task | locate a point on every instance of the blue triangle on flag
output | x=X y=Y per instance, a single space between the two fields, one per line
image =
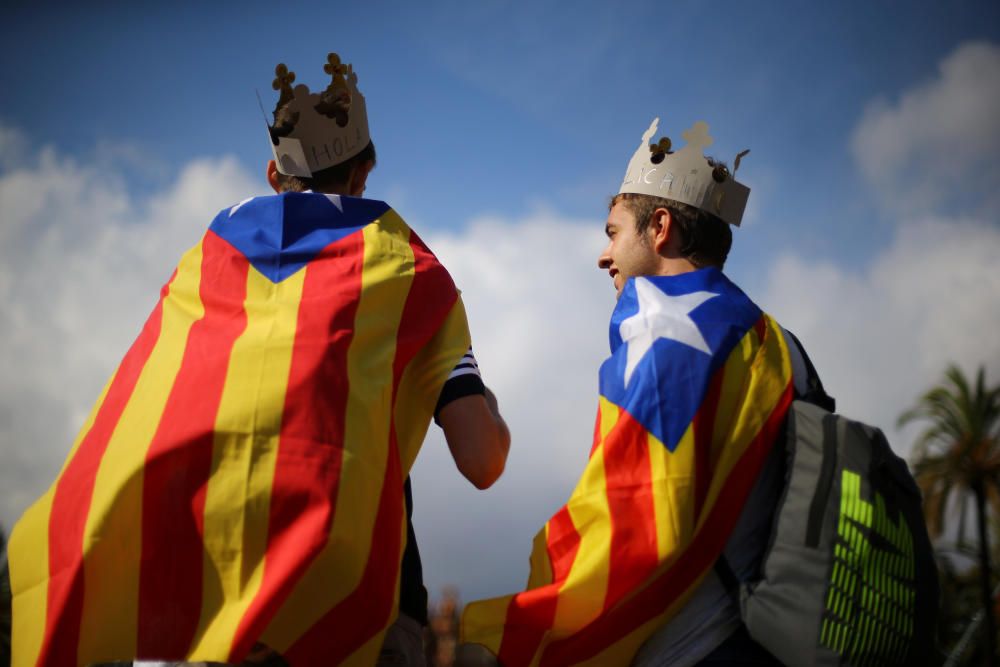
x=280 y=234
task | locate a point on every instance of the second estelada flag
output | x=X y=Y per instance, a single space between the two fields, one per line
x=691 y=400
x=241 y=477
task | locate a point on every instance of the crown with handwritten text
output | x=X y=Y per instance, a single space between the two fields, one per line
x=686 y=175
x=314 y=131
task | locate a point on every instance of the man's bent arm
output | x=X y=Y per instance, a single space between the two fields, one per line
x=477 y=437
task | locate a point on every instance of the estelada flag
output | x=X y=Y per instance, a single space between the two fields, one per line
x=691 y=400
x=241 y=476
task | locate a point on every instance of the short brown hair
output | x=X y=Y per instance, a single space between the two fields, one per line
x=705 y=238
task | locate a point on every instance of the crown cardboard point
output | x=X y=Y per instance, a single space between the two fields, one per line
x=685 y=175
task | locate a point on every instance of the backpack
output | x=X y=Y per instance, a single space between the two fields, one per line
x=848 y=577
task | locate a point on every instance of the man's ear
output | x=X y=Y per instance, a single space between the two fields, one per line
x=660 y=227
x=359 y=177
x=272 y=176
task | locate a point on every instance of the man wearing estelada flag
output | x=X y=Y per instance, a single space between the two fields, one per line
x=240 y=490
x=684 y=472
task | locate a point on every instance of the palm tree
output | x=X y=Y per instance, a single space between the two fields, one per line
x=958 y=455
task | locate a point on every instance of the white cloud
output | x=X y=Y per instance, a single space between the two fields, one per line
x=936 y=148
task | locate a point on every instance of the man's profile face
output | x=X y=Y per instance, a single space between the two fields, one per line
x=628 y=253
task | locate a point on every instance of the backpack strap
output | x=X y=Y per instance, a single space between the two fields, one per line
x=808 y=386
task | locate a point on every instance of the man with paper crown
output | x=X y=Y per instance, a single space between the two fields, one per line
x=238 y=490
x=684 y=472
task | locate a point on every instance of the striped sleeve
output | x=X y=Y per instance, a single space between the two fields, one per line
x=467 y=365
x=464 y=380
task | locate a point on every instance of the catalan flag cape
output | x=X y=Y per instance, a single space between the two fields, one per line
x=241 y=477
x=691 y=400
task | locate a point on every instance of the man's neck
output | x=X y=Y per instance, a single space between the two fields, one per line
x=675 y=266
x=335 y=190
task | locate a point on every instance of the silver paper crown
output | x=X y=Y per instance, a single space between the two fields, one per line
x=686 y=176
x=318 y=140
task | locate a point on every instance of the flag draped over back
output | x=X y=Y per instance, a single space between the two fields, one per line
x=691 y=400
x=240 y=478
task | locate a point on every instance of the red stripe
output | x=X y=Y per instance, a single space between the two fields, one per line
x=307 y=467
x=72 y=498
x=179 y=461
x=531 y=613
x=563 y=543
x=430 y=300
x=628 y=482
x=367 y=610
x=704 y=427
x=701 y=555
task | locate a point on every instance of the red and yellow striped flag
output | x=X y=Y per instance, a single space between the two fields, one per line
x=240 y=478
x=691 y=401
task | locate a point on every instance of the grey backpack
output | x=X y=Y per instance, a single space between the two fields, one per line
x=849 y=576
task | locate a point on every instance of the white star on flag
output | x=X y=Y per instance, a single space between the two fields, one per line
x=661 y=316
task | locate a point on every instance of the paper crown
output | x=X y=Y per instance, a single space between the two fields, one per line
x=318 y=130
x=686 y=176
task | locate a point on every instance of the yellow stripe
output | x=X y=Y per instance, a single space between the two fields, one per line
x=113 y=534
x=421 y=383
x=483 y=622
x=609 y=413
x=540 y=566
x=672 y=479
x=581 y=596
x=28 y=556
x=386 y=279
x=736 y=375
x=769 y=373
x=247 y=428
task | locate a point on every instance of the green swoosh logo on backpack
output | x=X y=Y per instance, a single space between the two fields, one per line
x=871 y=593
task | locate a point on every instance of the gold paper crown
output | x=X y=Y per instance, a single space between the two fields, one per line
x=314 y=131
x=686 y=176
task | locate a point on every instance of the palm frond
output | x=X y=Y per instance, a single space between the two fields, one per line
x=959 y=446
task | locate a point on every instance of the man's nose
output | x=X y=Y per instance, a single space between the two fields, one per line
x=604 y=260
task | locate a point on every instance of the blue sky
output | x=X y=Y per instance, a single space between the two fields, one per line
x=502 y=129
x=497 y=105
